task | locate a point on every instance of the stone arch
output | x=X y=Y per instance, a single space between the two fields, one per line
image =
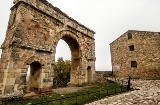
x=64 y=33
x=32 y=36
x=34 y=59
x=76 y=53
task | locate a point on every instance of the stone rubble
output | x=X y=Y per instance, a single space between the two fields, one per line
x=147 y=92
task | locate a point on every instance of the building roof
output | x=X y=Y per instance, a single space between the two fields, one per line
x=133 y=31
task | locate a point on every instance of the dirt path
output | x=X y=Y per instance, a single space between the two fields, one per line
x=68 y=89
x=64 y=90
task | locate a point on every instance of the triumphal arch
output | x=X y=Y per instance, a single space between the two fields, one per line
x=34 y=29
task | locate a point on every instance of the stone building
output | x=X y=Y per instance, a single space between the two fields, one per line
x=34 y=29
x=136 y=54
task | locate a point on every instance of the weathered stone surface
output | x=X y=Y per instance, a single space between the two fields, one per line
x=34 y=29
x=8 y=89
x=143 y=48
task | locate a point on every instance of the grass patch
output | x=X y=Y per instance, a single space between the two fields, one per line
x=80 y=97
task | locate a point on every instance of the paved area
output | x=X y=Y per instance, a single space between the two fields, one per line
x=147 y=93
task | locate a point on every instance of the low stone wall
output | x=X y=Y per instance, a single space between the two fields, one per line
x=121 y=81
x=12 y=95
x=100 y=76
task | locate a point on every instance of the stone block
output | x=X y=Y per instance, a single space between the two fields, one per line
x=8 y=89
x=11 y=75
x=16 y=87
x=10 y=81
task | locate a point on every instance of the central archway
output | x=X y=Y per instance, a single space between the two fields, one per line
x=74 y=46
x=62 y=51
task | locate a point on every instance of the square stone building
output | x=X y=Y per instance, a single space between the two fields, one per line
x=136 y=54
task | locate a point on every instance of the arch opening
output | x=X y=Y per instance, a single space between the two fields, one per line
x=34 y=79
x=89 y=74
x=62 y=50
x=28 y=74
x=74 y=57
x=75 y=61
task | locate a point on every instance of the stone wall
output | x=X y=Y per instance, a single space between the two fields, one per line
x=100 y=76
x=143 y=49
x=34 y=29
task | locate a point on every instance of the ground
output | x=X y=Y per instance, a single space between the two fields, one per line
x=63 y=90
x=68 y=89
x=147 y=92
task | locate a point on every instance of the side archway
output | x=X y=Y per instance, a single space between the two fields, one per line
x=34 y=78
x=89 y=75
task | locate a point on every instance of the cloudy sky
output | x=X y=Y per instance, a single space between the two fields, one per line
x=108 y=18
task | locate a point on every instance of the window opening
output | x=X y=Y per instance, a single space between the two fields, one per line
x=133 y=64
x=129 y=35
x=131 y=48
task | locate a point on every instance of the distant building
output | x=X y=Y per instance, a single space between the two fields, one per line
x=136 y=54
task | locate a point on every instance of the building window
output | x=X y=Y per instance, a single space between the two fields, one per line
x=133 y=64
x=129 y=35
x=131 y=48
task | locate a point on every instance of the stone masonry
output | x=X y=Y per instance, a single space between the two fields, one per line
x=34 y=29
x=136 y=54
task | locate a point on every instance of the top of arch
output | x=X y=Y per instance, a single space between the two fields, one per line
x=49 y=9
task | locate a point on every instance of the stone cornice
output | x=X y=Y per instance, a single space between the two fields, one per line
x=47 y=8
